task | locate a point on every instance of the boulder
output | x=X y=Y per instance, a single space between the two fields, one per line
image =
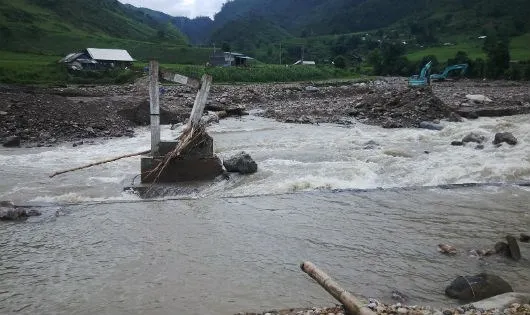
x=209 y=118
x=311 y=89
x=502 y=301
x=478 y=98
x=242 y=163
x=474 y=137
x=502 y=248
x=8 y=212
x=400 y=297
x=515 y=252
x=454 y=117
x=371 y=145
x=525 y=238
x=12 y=142
x=236 y=111
x=430 y=126
x=478 y=287
x=457 y=143
x=507 y=137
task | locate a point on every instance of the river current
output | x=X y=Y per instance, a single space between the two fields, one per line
x=359 y=201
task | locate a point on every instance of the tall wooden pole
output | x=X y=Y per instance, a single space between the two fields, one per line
x=154 y=100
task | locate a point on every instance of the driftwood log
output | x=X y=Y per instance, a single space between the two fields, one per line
x=352 y=305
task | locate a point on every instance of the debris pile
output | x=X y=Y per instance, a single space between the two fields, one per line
x=400 y=108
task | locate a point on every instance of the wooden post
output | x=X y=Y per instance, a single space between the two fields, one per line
x=200 y=100
x=154 y=99
x=350 y=302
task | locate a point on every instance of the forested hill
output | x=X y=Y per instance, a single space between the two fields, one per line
x=197 y=30
x=59 y=26
x=324 y=17
x=425 y=20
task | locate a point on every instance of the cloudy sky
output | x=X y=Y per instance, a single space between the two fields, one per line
x=189 y=8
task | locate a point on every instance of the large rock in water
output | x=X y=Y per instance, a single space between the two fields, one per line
x=12 y=142
x=430 y=125
x=507 y=137
x=8 y=212
x=479 y=287
x=242 y=163
x=474 y=137
x=515 y=252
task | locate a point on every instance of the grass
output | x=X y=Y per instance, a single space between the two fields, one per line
x=443 y=53
x=262 y=73
x=520 y=47
x=17 y=68
x=519 y=50
x=23 y=68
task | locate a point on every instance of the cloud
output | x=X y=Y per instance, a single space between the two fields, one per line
x=189 y=8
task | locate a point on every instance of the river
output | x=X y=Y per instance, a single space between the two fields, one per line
x=358 y=201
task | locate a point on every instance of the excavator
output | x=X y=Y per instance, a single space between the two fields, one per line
x=423 y=79
x=440 y=77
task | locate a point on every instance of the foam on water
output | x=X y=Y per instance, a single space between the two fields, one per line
x=291 y=157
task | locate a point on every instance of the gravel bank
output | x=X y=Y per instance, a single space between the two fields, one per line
x=46 y=116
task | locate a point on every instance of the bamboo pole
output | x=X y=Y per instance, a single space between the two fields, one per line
x=99 y=163
x=350 y=302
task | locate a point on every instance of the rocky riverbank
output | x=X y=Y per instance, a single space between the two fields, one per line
x=33 y=116
x=398 y=309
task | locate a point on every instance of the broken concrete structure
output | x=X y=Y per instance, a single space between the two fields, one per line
x=192 y=158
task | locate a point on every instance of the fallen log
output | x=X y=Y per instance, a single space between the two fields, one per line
x=99 y=163
x=351 y=304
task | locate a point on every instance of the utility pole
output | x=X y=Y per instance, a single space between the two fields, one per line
x=281 y=53
x=303 y=47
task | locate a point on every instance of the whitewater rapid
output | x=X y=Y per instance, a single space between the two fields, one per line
x=291 y=157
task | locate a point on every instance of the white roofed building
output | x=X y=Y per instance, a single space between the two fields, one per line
x=98 y=59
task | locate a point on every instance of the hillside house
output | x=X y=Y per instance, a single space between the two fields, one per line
x=98 y=59
x=229 y=59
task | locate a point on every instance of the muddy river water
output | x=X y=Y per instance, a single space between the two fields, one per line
x=236 y=245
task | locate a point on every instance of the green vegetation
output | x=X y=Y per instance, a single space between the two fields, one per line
x=41 y=69
x=58 y=27
x=262 y=73
x=343 y=37
x=447 y=52
x=19 y=68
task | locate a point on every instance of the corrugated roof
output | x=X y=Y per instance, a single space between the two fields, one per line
x=109 y=54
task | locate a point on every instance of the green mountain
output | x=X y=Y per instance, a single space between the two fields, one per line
x=197 y=30
x=61 y=26
x=328 y=28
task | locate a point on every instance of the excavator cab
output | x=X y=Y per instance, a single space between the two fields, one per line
x=424 y=78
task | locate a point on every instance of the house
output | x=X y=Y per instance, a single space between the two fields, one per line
x=98 y=59
x=305 y=63
x=229 y=59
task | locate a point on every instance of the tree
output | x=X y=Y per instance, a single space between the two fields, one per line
x=498 y=54
x=375 y=59
x=340 y=62
x=226 y=46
